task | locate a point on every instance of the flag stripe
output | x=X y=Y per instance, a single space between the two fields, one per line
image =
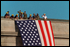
x=52 y=32
x=40 y=34
x=45 y=32
x=46 y=26
x=41 y=27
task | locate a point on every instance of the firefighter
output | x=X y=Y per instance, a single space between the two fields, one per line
x=30 y=17
x=12 y=16
x=16 y=17
x=6 y=15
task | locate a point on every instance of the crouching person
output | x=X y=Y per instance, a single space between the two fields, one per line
x=16 y=17
x=6 y=15
x=30 y=18
x=12 y=16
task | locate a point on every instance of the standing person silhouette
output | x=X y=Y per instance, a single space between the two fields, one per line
x=20 y=14
x=44 y=16
x=25 y=15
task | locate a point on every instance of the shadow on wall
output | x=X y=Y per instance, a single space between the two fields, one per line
x=19 y=41
x=18 y=38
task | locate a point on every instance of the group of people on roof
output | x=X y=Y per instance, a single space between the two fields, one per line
x=34 y=17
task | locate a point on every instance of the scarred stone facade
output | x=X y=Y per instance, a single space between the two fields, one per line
x=10 y=35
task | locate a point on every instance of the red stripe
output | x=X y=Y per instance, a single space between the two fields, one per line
x=47 y=30
x=42 y=31
x=52 y=32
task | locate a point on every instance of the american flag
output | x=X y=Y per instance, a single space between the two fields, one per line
x=36 y=32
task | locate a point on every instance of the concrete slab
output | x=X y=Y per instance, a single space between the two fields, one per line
x=61 y=42
x=8 y=44
x=60 y=28
x=7 y=25
x=5 y=39
x=9 y=33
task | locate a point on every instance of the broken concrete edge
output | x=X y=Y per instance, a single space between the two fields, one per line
x=41 y=19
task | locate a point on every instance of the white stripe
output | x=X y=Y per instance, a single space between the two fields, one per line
x=50 y=32
x=46 y=36
x=40 y=34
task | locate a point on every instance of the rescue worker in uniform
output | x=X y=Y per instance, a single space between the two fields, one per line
x=34 y=16
x=21 y=17
x=20 y=14
x=12 y=16
x=16 y=17
x=37 y=16
x=25 y=15
x=6 y=15
x=30 y=17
